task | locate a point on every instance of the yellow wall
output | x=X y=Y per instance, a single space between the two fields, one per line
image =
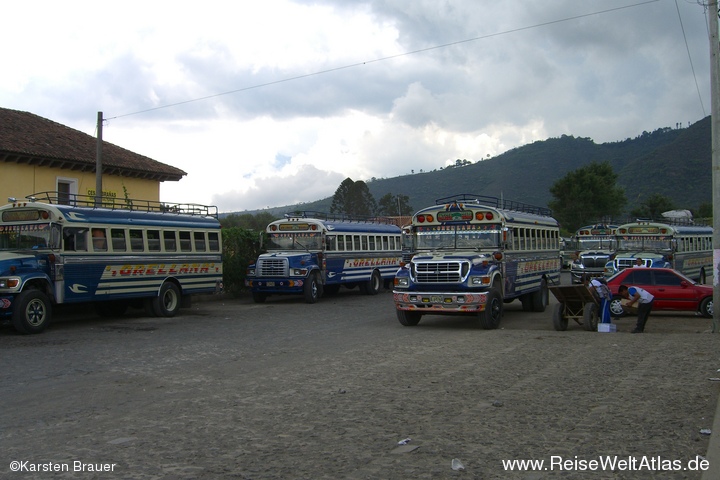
x=18 y=180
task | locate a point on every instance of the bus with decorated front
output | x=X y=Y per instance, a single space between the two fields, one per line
x=474 y=253
x=682 y=246
x=594 y=246
x=313 y=253
x=57 y=248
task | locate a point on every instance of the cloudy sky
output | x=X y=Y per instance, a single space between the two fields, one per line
x=274 y=102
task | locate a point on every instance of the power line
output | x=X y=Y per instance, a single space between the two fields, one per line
x=692 y=67
x=390 y=57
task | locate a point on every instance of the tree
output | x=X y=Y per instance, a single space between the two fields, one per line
x=653 y=207
x=353 y=198
x=248 y=221
x=391 y=205
x=586 y=195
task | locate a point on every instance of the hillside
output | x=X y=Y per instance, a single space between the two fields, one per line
x=673 y=162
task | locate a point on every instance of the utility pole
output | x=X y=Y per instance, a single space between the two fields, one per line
x=715 y=127
x=98 y=162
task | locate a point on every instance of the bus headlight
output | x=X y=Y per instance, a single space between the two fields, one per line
x=300 y=272
x=250 y=272
x=401 y=282
x=9 y=282
x=477 y=281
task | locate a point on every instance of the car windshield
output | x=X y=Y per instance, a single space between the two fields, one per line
x=29 y=236
x=295 y=241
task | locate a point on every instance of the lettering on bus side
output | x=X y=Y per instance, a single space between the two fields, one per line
x=371 y=262
x=158 y=269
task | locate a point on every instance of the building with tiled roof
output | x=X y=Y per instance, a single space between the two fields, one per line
x=39 y=155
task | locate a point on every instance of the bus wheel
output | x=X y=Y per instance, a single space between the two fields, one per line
x=167 y=303
x=560 y=321
x=259 y=297
x=490 y=317
x=706 y=307
x=590 y=317
x=616 y=309
x=540 y=298
x=409 y=319
x=32 y=312
x=372 y=287
x=311 y=289
x=527 y=302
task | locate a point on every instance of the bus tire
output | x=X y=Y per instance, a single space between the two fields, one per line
x=372 y=287
x=32 y=311
x=590 y=317
x=560 y=321
x=616 y=309
x=259 y=297
x=311 y=289
x=407 y=318
x=489 y=318
x=167 y=303
x=706 y=307
x=540 y=298
x=527 y=302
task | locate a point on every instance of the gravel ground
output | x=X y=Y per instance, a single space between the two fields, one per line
x=231 y=389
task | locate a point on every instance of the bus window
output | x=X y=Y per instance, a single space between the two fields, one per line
x=330 y=243
x=153 y=240
x=364 y=243
x=386 y=243
x=136 y=241
x=341 y=242
x=214 y=241
x=74 y=239
x=118 y=239
x=371 y=245
x=199 y=241
x=99 y=239
x=170 y=241
x=185 y=244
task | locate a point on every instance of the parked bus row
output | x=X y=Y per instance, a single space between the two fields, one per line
x=465 y=255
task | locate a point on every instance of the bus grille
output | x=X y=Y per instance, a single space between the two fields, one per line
x=439 y=272
x=594 y=261
x=272 y=267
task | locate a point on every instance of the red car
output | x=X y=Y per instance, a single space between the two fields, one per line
x=672 y=290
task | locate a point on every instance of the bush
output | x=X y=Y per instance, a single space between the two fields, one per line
x=241 y=248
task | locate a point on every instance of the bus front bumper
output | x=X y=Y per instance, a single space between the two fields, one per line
x=441 y=302
x=275 y=285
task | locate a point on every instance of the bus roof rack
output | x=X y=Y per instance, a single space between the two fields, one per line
x=339 y=217
x=495 y=202
x=112 y=203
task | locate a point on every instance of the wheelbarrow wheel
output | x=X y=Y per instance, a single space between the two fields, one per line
x=590 y=317
x=560 y=321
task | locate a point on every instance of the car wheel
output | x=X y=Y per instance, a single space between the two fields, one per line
x=706 y=307
x=616 y=308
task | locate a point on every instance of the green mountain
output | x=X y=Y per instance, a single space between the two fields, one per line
x=672 y=162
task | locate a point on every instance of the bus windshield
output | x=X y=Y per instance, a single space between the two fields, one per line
x=26 y=237
x=460 y=237
x=607 y=243
x=293 y=241
x=645 y=244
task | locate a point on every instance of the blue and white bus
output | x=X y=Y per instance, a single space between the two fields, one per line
x=684 y=247
x=58 y=249
x=474 y=253
x=311 y=253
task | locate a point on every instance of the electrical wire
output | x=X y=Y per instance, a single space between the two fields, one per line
x=390 y=57
x=692 y=67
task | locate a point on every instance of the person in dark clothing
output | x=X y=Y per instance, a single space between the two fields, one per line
x=644 y=301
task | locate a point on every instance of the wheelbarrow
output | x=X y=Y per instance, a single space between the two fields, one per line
x=576 y=302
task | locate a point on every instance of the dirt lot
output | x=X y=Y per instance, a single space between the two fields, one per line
x=231 y=389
